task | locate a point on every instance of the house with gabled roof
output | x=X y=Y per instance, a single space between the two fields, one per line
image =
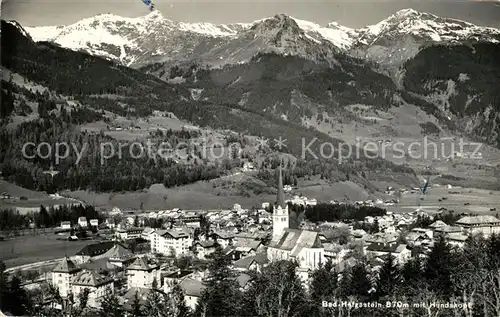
x=456 y=239
x=437 y=224
x=441 y=231
x=251 y=263
x=118 y=255
x=97 y=284
x=224 y=238
x=399 y=251
x=63 y=274
x=93 y=250
x=204 y=248
x=142 y=272
x=178 y=241
x=192 y=288
x=247 y=246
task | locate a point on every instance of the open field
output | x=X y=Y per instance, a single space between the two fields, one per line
x=33 y=201
x=29 y=249
x=479 y=201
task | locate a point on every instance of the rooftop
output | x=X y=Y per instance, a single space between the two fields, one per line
x=295 y=240
x=178 y=274
x=66 y=266
x=117 y=252
x=96 y=248
x=192 y=287
x=389 y=247
x=91 y=278
x=475 y=220
x=143 y=264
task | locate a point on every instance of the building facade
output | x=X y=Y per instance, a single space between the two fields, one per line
x=142 y=273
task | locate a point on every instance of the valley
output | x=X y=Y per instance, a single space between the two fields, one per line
x=232 y=168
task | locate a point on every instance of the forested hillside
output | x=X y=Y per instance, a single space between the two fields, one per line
x=98 y=86
x=461 y=81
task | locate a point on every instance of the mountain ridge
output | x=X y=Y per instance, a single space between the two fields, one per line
x=154 y=38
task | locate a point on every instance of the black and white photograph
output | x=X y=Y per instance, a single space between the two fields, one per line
x=237 y=158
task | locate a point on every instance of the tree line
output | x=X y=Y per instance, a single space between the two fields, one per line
x=47 y=217
x=337 y=213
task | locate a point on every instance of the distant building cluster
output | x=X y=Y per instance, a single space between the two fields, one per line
x=251 y=239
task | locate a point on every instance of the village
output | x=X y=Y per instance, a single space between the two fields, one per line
x=177 y=251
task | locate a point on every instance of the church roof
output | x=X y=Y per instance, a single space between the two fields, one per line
x=295 y=240
x=66 y=266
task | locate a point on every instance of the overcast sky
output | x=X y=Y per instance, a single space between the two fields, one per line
x=354 y=14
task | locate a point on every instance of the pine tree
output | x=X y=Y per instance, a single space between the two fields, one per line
x=323 y=285
x=493 y=250
x=17 y=301
x=221 y=297
x=137 y=307
x=110 y=305
x=388 y=278
x=323 y=282
x=411 y=271
x=177 y=302
x=277 y=291
x=3 y=286
x=439 y=266
x=359 y=281
x=156 y=305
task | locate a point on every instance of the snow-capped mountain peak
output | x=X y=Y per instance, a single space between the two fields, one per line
x=401 y=36
x=155 y=38
x=423 y=25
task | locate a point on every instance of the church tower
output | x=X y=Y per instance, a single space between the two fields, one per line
x=281 y=216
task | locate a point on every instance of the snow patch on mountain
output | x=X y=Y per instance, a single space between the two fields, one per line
x=153 y=38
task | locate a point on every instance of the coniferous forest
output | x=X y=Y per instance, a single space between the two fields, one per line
x=90 y=80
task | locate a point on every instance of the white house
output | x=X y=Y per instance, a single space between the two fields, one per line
x=94 y=222
x=203 y=248
x=98 y=285
x=400 y=251
x=193 y=289
x=128 y=233
x=224 y=238
x=142 y=272
x=168 y=241
x=456 y=239
x=82 y=222
x=65 y=225
x=485 y=224
x=63 y=274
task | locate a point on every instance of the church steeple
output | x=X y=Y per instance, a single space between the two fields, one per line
x=280 y=197
x=281 y=217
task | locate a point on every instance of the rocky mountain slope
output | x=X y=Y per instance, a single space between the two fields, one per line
x=460 y=82
x=402 y=35
x=297 y=70
x=106 y=87
x=153 y=38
